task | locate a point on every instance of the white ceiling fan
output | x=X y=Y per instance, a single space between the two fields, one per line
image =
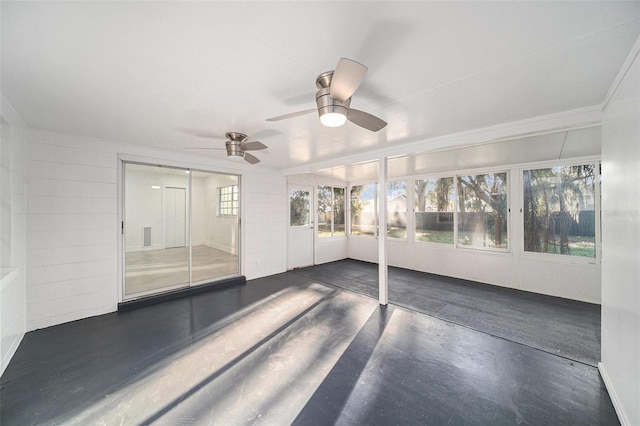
x=237 y=147
x=334 y=97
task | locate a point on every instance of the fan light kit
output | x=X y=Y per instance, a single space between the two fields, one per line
x=237 y=147
x=333 y=98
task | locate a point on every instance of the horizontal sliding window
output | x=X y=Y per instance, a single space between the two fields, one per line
x=559 y=210
x=397 y=210
x=434 y=210
x=482 y=210
x=363 y=209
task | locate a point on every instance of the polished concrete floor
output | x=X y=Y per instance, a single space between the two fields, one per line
x=157 y=269
x=288 y=349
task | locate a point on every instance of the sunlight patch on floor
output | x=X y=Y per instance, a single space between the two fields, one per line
x=261 y=365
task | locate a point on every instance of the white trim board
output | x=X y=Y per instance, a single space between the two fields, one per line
x=628 y=63
x=613 y=395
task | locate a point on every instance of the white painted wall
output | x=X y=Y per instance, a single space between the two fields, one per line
x=263 y=228
x=13 y=234
x=73 y=222
x=620 y=366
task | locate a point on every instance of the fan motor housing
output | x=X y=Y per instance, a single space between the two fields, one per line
x=234 y=148
x=326 y=104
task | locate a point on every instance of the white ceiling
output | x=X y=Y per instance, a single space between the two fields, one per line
x=155 y=73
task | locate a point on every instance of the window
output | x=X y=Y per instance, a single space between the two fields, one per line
x=397 y=210
x=482 y=210
x=363 y=210
x=299 y=207
x=559 y=210
x=434 y=210
x=330 y=211
x=339 y=211
x=228 y=200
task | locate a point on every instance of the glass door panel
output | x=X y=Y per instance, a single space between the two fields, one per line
x=300 y=232
x=156 y=224
x=215 y=212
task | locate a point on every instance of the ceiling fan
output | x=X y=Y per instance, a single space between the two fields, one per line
x=334 y=96
x=237 y=147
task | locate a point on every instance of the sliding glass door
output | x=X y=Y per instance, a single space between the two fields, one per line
x=180 y=228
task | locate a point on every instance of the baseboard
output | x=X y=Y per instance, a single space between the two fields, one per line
x=141 y=248
x=177 y=294
x=6 y=359
x=222 y=247
x=612 y=394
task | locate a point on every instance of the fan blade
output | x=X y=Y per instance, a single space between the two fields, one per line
x=346 y=79
x=366 y=120
x=250 y=158
x=253 y=146
x=290 y=115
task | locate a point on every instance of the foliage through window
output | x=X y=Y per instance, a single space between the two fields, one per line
x=397 y=210
x=363 y=209
x=482 y=210
x=228 y=200
x=331 y=214
x=434 y=210
x=299 y=207
x=559 y=210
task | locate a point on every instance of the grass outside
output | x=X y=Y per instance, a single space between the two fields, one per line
x=443 y=237
x=467 y=238
x=578 y=246
x=393 y=232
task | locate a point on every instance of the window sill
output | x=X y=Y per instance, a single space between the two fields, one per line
x=334 y=238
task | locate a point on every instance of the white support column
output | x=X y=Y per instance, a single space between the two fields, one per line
x=383 y=276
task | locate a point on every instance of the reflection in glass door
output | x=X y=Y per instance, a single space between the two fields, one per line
x=215 y=211
x=180 y=228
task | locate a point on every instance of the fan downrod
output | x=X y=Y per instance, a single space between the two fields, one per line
x=236 y=136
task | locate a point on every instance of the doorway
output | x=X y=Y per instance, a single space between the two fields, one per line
x=175 y=223
x=180 y=228
x=300 y=232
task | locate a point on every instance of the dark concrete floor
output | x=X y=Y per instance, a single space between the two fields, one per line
x=559 y=326
x=289 y=349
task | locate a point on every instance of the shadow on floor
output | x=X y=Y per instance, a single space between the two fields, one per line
x=328 y=402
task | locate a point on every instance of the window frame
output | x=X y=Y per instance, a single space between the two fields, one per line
x=333 y=217
x=555 y=257
x=455 y=216
x=409 y=199
x=375 y=208
x=234 y=202
x=476 y=172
